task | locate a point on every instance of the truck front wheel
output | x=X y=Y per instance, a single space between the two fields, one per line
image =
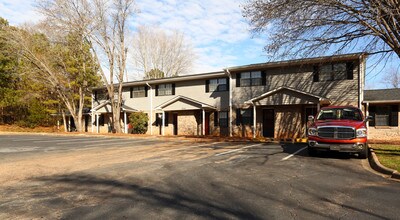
x=363 y=154
x=311 y=151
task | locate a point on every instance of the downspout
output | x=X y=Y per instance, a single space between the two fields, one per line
x=151 y=108
x=367 y=113
x=361 y=80
x=92 y=116
x=230 y=103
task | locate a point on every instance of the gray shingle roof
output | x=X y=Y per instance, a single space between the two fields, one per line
x=382 y=95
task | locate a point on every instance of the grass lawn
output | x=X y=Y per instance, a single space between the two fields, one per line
x=388 y=155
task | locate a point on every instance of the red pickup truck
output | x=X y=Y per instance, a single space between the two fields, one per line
x=338 y=128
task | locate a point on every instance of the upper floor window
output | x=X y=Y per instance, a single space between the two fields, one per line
x=333 y=71
x=217 y=85
x=254 y=78
x=100 y=95
x=138 y=91
x=165 y=89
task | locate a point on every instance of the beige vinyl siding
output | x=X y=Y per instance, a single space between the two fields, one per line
x=340 y=92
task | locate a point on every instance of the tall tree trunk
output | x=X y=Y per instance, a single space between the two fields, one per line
x=64 y=121
x=78 y=118
x=117 y=118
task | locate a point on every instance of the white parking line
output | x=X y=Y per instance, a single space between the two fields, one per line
x=291 y=155
x=184 y=148
x=235 y=150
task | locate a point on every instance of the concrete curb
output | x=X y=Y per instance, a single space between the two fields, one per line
x=377 y=166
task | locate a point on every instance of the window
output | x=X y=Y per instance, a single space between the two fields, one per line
x=165 y=89
x=250 y=79
x=223 y=119
x=215 y=119
x=384 y=115
x=340 y=114
x=244 y=116
x=217 y=85
x=159 y=119
x=101 y=120
x=100 y=95
x=138 y=91
x=333 y=71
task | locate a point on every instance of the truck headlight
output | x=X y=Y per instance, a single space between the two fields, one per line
x=312 y=132
x=362 y=132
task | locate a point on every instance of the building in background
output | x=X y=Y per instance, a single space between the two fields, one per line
x=383 y=105
x=260 y=100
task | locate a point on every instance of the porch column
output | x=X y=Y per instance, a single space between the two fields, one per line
x=367 y=113
x=97 y=123
x=151 y=108
x=203 y=123
x=69 y=124
x=163 y=123
x=254 y=120
x=126 y=122
x=93 y=116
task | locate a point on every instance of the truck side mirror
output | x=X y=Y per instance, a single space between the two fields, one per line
x=369 y=118
x=311 y=118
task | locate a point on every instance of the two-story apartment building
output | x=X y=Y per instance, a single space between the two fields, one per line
x=183 y=105
x=260 y=100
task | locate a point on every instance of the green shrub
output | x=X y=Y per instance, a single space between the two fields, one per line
x=138 y=122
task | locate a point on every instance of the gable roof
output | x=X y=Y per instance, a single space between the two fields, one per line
x=184 y=98
x=382 y=95
x=269 y=93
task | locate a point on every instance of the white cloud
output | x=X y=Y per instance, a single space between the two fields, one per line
x=18 y=11
x=216 y=29
x=213 y=27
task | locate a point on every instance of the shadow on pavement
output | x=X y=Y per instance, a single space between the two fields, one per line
x=124 y=196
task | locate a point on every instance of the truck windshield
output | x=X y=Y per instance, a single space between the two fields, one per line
x=340 y=113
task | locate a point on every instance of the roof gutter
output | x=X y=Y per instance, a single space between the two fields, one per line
x=382 y=101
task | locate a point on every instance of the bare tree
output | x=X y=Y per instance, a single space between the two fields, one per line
x=313 y=26
x=158 y=54
x=67 y=70
x=392 y=78
x=104 y=25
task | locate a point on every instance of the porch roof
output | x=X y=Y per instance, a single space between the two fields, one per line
x=286 y=96
x=102 y=108
x=179 y=103
x=382 y=96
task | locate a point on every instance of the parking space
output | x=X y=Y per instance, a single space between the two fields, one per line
x=92 y=177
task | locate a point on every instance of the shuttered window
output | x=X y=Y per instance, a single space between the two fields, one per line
x=165 y=89
x=254 y=78
x=217 y=85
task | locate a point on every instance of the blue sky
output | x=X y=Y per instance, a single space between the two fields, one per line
x=215 y=28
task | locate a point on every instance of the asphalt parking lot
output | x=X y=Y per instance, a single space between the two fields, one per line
x=84 y=177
